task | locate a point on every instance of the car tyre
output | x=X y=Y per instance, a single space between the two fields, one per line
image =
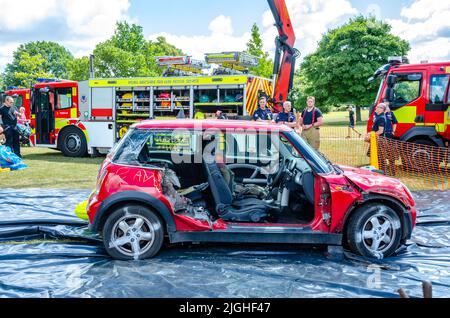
x=133 y=232
x=374 y=231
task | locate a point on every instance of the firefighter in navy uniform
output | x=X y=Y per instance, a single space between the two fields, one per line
x=391 y=123
x=262 y=113
x=380 y=123
x=287 y=117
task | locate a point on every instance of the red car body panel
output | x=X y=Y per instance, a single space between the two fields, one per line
x=335 y=195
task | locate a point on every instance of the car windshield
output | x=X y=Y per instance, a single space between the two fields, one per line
x=294 y=143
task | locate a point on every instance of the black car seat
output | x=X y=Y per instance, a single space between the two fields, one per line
x=229 y=208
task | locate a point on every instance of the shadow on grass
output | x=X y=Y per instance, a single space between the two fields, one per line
x=60 y=158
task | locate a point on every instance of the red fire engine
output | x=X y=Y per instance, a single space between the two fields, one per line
x=419 y=96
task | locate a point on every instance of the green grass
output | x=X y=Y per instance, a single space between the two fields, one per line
x=340 y=119
x=48 y=168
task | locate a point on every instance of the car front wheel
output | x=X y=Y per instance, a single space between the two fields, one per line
x=374 y=231
x=133 y=232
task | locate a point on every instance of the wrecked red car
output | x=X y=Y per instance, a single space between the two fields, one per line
x=240 y=182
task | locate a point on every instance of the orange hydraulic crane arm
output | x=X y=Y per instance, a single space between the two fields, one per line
x=285 y=53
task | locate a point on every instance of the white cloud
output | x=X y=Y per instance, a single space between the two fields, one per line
x=221 y=25
x=423 y=9
x=77 y=24
x=6 y=52
x=311 y=20
x=19 y=14
x=94 y=17
x=220 y=39
x=374 y=10
x=426 y=25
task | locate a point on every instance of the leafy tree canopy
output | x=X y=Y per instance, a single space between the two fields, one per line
x=255 y=48
x=338 y=71
x=41 y=57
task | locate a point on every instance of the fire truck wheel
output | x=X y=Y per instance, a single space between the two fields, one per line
x=73 y=143
x=133 y=232
x=374 y=231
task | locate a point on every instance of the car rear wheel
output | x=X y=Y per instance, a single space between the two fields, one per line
x=133 y=232
x=374 y=231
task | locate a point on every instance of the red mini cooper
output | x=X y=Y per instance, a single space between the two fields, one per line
x=240 y=182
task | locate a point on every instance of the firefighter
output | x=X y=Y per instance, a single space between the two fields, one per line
x=9 y=118
x=391 y=123
x=379 y=124
x=311 y=120
x=262 y=113
x=287 y=117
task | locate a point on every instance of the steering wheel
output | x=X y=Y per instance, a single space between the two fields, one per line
x=275 y=178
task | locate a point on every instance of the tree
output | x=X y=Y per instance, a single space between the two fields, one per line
x=346 y=57
x=54 y=64
x=78 y=69
x=129 y=38
x=128 y=54
x=111 y=61
x=160 y=47
x=35 y=68
x=255 y=48
x=2 y=82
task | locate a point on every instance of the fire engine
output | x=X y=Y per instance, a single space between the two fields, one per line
x=420 y=98
x=89 y=117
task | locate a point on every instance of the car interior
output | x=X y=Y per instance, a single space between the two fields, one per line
x=286 y=189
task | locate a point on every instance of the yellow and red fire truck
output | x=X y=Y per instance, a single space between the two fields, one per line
x=420 y=98
x=89 y=117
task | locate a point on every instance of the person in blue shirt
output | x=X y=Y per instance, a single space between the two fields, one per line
x=379 y=123
x=287 y=117
x=391 y=123
x=262 y=113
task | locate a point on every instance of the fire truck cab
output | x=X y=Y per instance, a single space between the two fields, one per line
x=419 y=96
x=21 y=97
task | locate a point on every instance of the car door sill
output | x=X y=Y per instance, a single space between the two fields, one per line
x=278 y=235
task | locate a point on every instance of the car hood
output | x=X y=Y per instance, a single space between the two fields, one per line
x=373 y=182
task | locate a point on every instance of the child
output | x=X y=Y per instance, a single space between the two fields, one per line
x=23 y=123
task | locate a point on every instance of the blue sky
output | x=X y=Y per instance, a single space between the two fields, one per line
x=155 y=16
x=202 y=26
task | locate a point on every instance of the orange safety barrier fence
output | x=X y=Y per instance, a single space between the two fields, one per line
x=420 y=167
x=342 y=150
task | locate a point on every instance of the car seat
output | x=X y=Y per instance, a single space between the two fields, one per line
x=229 y=208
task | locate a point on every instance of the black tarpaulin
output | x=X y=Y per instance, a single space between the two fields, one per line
x=46 y=251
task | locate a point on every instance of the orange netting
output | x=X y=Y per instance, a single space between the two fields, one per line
x=342 y=150
x=420 y=167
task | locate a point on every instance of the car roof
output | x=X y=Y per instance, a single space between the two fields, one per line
x=210 y=124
